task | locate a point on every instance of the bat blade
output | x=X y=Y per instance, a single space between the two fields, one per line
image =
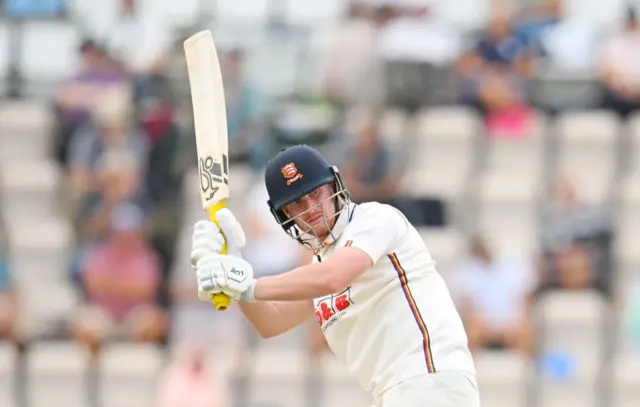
x=210 y=120
x=210 y=117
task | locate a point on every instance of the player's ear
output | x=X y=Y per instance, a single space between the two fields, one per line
x=231 y=228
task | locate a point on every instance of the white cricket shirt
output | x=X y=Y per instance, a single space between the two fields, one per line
x=397 y=320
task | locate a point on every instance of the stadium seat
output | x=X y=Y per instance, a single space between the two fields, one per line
x=595 y=14
x=17 y=116
x=57 y=371
x=129 y=373
x=626 y=380
x=522 y=156
x=393 y=127
x=25 y=132
x=39 y=262
x=507 y=211
x=4 y=54
x=633 y=146
x=444 y=155
x=630 y=201
x=278 y=376
x=40 y=248
x=503 y=378
x=336 y=392
x=30 y=189
x=564 y=394
x=628 y=224
x=7 y=371
x=583 y=139
x=572 y=327
x=446 y=246
x=561 y=87
x=45 y=306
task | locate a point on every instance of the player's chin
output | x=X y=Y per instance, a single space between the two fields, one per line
x=319 y=230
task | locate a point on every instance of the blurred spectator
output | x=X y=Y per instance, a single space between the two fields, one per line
x=494 y=77
x=576 y=242
x=8 y=298
x=418 y=35
x=121 y=277
x=111 y=128
x=118 y=181
x=494 y=294
x=246 y=112
x=535 y=20
x=76 y=98
x=371 y=169
x=139 y=41
x=187 y=382
x=162 y=178
x=416 y=50
x=351 y=60
x=574 y=268
x=620 y=68
x=368 y=167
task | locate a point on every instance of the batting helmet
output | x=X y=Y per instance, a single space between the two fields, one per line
x=293 y=173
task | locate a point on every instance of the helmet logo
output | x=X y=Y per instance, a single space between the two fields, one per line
x=290 y=172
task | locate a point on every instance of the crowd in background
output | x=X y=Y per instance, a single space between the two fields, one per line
x=123 y=136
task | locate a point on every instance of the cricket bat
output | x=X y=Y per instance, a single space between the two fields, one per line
x=210 y=119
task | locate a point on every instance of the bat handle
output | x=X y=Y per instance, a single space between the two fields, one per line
x=220 y=300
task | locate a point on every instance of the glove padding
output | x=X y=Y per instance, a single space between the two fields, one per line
x=227 y=273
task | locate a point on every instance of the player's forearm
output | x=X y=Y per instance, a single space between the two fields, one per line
x=271 y=319
x=303 y=283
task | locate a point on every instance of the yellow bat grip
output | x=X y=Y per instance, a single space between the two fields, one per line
x=220 y=301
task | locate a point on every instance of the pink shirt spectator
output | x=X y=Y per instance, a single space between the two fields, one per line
x=135 y=266
x=187 y=383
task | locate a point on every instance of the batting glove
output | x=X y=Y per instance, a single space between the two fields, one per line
x=227 y=273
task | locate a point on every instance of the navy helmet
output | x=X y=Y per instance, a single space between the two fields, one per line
x=293 y=173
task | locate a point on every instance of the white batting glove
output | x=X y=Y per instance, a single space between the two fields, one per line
x=227 y=273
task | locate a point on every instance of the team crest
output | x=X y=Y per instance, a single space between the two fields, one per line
x=291 y=173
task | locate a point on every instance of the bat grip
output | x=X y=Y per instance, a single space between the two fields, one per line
x=220 y=300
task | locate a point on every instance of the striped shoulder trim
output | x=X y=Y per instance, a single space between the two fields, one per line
x=426 y=341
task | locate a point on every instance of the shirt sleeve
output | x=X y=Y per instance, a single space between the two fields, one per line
x=375 y=230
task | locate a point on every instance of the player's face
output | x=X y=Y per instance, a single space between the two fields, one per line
x=314 y=212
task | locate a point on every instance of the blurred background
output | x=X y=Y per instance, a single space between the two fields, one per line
x=506 y=130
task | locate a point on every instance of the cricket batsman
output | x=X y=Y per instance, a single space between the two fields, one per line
x=373 y=287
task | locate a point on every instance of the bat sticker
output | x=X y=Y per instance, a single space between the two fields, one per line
x=210 y=174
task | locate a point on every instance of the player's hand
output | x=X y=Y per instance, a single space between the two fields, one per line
x=208 y=238
x=225 y=273
x=221 y=273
